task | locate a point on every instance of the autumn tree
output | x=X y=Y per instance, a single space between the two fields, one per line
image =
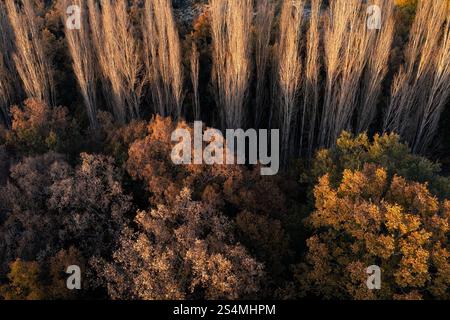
x=55 y=272
x=184 y=250
x=119 y=57
x=369 y=219
x=114 y=139
x=37 y=128
x=387 y=150
x=82 y=53
x=288 y=72
x=231 y=23
x=163 y=57
x=420 y=89
x=8 y=75
x=27 y=228
x=32 y=57
x=24 y=282
x=93 y=202
x=149 y=160
x=49 y=206
x=30 y=280
x=264 y=18
x=241 y=193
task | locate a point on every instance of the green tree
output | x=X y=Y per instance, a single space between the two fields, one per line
x=386 y=151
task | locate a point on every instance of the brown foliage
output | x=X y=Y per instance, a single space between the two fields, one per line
x=184 y=250
x=149 y=160
x=48 y=205
x=234 y=190
x=37 y=128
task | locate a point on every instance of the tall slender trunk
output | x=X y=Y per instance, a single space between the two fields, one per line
x=311 y=81
x=380 y=48
x=194 y=59
x=346 y=51
x=263 y=27
x=163 y=58
x=8 y=75
x=82 y=53
x=420 y=89
x=118 y=54
x=231 y=22
x=32 y=62
x=289 y=70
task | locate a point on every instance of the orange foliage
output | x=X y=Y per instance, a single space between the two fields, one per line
x=37 y=128
x=149 y=160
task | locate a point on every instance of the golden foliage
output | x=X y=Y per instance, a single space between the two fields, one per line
x=369 y=219
x=24 y=282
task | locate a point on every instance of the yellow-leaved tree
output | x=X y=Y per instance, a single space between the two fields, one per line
x=371 y=219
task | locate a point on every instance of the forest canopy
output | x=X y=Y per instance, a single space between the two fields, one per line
x=87 y=112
